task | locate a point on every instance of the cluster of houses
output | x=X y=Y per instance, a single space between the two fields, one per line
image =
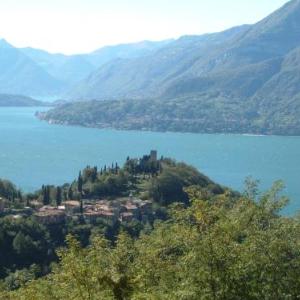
x=122 y=209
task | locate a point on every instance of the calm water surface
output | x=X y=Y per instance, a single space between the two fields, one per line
x=33 y=153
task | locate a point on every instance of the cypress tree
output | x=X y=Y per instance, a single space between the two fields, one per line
x=70 y=193
x=79 y=183
x=65 y=195
x=46 y=195
x=94 y=174
x=58 y=196
x=81 y=206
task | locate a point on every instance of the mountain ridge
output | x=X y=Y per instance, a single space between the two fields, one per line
x=268 y=39
x=243 y=80
x=19 y=101
x=38 y=73
x=21 y=75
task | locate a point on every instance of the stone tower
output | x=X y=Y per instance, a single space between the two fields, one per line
x=153 y=155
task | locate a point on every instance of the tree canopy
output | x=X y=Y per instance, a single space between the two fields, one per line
x=218 y=248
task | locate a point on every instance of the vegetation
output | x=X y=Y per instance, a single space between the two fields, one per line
x=216 y=248
x=162 y=180
x=202 y=113
x=9 y=190
x=242 y=80
x=28 y=248
x=205 y=242
x=24 y=245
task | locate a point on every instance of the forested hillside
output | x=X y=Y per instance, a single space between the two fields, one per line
x=242 y=80
x=100 y=202
x=196 y=240
x=221 y=248
x=200 y=114
x=239 y=63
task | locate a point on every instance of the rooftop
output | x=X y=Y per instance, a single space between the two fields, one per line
x=72 y=203
x=99 y=213
x=46 y=213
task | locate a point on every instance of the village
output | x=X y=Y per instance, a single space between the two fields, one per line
x=90 y=209
x=122 y=209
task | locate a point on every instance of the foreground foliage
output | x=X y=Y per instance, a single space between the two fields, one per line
x=28 y=249
x=223 y=248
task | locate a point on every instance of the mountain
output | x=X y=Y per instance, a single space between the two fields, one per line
x=238 y=63
x=125 y=51
x=18 y=100
x=243 y=80
x=21 y=75
x=144 y=76
x=34 y=72
x=70 y=69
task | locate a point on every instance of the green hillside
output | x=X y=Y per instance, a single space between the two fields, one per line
x=205 y=242
x=201 y=113
x=237 y=62
x=243 y=80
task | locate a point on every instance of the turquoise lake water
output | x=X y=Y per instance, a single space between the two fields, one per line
x=33 y=153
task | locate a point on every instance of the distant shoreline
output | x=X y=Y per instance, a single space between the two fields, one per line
x=40 y=116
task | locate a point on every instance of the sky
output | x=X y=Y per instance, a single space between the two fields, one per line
x=81 y=26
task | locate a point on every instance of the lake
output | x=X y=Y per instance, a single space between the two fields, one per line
x=33 y=153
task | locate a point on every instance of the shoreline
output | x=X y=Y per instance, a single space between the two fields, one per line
x=65 y=123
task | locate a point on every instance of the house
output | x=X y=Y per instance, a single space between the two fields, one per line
x=72 y=207
x=146 y=207
x=132 y=208
x=50 y=215
x=36 y=204
x=16 y=217
x=126 y=217
x=93 y=216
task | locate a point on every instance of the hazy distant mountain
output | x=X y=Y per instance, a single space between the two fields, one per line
x=71 y=69
x=125 y=51
x=35 y=72
x=243 y=80
x=145 y=76
x=18 y=100
x=67 y=69
x=20 y=75
x=239 y=62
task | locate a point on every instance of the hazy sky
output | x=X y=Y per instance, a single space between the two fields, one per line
x=76 y=26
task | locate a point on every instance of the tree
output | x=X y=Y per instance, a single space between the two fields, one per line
x=81 y=205
x=70 y=193
x=221 y=248
x=117 y=168
x=65 y=195
x=79 y=183
x=94 y=174
x=58 y=196
x=46 y=195
x=23 y=244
